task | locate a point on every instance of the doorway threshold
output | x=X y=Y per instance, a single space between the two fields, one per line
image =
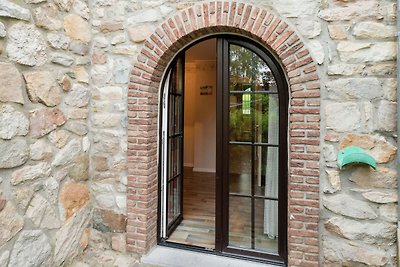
x=173 y=257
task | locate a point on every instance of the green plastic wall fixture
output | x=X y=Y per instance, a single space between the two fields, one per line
x=355 y=154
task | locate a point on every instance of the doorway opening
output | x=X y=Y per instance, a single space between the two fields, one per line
x=223 y=178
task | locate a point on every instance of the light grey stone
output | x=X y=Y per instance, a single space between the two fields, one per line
x=330 y=153
x=14 y=153
x=143 y=16
x=3 y=31
x=4 y=258
x=32 y=249
x=359 y=53
x=12 y=10
x=290 y=8
x=34 y=1
x=382 y=178
x=129 y=50
x=58 y=41
x=26 y=45
x=42 y=214
x=354 y=88
x=10 y=223
x=11 y=84
x=30 y=173
x=139 y=33
x=46 y=15
x=12 y=122
x=69 y=235
x=346 y=205
x=342 y=117
x=334 y=181
x=317 y=51
x=344 y=69
x=51 y=187
x=77 y=127
x=121 y=70
x=389 y=89
x=59 y=138
x=64 y=5
x=352 y=10
x=379 y=234
x=388 y=212
x=41 y=150
x=78 y=96
x=78 y=48
x=381 y=197
x=61 y=59
x=81 y=8
x=309 y=28
x=338 y=253
x=42 y=88
x=22 y=196
x=68 y=153
x=387 y=116
x=118 y=39
x=374 y=30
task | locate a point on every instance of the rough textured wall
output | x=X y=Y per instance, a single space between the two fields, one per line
x=56 y=54
x=44 y=145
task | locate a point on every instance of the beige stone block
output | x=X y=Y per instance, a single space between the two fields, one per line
x=77 y=28
x=338 y=32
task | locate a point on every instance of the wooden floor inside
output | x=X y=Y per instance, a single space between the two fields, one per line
x=198 y=225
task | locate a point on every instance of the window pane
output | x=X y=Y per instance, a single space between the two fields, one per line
x=249 y=72
x=174 y=199
x=266 y=111
x=175 y=151
x=240 y=222
x=266 y=171
x=240 y=118
x=175 y=116
x=240 y=169
x=266 y=225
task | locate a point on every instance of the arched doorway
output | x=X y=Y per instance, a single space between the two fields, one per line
x=250 y=107
x=270 y=31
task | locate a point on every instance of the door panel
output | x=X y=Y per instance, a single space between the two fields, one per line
x=172 y=174
x=252 y=171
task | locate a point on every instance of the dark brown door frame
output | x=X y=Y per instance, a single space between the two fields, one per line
x=222 y=168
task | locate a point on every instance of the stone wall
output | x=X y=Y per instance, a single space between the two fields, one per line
x=45 y=90
x=64 y=70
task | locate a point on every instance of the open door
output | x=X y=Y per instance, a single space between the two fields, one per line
x=172 y=142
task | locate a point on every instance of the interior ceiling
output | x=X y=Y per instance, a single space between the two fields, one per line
x=205 y=50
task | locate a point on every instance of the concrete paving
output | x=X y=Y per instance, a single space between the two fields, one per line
x=171 y=257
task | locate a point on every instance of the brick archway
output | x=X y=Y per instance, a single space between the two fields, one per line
x=304 y=117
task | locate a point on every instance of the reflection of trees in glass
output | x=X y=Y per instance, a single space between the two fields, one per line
x=247 y=67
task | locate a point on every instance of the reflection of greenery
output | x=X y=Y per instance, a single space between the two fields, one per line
x=241 y=124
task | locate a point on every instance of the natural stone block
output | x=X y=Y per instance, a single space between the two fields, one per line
x=317 y=51
x=61 y=59
x=10 y=223
x=342 y=117
x=77 y=28
x=148 y=15
x=42 y=88
x=380 y=234
x=139 y=33
x=14 y=153
x=3 y=33
x=30 y=173
x=355 y=10
x=12 y=10
x=346 y=253
x=78 y=127
x=64 y=5
x=32 y=249
x=45 y=120
x=354 y=89
x=50 y=187
x=78 y=47
x=68 y=153
x=11 y=84
x=338 y=32
x=118 y=242
x=290 y=8
x=78 y=96
x=346 y=205
x=373 y=30
x=26 y=45
x=366 y=52
x=81 y=8
x=59 y=138
x=387 y=116
x=376 y=145
x=344 y=69
x=58 y=41
x=309 y=28
x=81 y=74
x=73 y=197
x=22 y=196
x=389 y=89
x=46 y=15
x=334 y=180
x=4 y=258
x=109 y=221
x=381 y=197
x=42 y=214
x=41 y=150
x=79 y=170
x=388 y=212
x=382 y=178
x=69 y=236
x=12 y=122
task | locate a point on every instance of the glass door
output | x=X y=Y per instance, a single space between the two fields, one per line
x=172 y=142
x=254 y=147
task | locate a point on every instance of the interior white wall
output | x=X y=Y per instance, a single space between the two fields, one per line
x=200 y=116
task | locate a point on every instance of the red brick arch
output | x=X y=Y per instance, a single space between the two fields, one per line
x=281 y=40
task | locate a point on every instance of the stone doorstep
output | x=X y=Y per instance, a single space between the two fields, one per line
x=172 y=257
